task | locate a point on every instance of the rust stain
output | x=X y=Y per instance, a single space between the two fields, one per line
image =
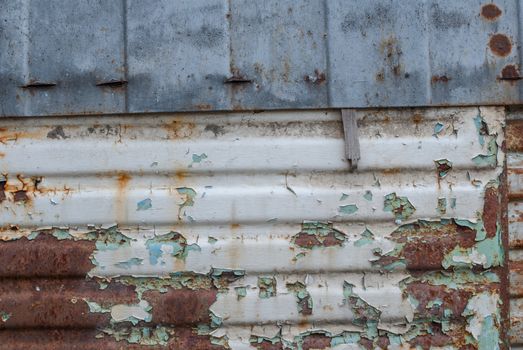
x=510 y=72
x=185 y=306
x=491 y=209
x=514 y=137
x=2 y=155
x=490 y=12
x=440 y=79
x=391 y=171
x=500 y=45
x=45 y=256
x=417 y=118
x=121 y=196
x=179 y=129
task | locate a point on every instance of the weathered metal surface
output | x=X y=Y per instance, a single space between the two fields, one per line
x=514 y=134
x=166 y=56
x=249 y=231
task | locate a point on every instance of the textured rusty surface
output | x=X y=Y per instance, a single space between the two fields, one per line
x=249 y=231
x=89 y=339
x=514 y=134
x=45 y=256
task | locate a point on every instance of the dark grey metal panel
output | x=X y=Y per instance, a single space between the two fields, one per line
x=226 y=55
x=13 y=40
x=378 y=55
x=280 y=47
x=66 y=50
x=178 y=55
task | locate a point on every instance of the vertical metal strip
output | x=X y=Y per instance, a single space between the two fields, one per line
x=352 y=144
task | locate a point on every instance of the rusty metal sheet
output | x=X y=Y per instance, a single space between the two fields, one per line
x=515 y=214
x=164 y=56
x=250 y=231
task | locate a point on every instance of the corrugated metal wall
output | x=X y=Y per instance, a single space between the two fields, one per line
x=248 y=231
x=515 y=212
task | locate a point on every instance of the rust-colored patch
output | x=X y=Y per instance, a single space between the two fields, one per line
x=490 y=211
x=500 y=45
x=267 y=345
x=391 y=171
x=93 y=339
x=58 y=303
x=440 y=79
x=316 y=341
x=2 y=191
x=2 y=155
x=179 y=129
x=392 y=53
x=45 y=256
x=514 y=136
x=181 y=307
x=425 y=245
x=490 y=12
x=417 y=118
x=455 y=300
x=428 y=341
x=510 y=72
x=20 y=196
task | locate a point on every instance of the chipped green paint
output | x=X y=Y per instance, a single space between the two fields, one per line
x=197 y=158
x=348 y=209
x=172 y=243
x=365 y=315
x=490 y=159
x=316 y=234
x=241 y=292
x=223 y=277
x=399 y=206
x=109 y=239
x=33 y=235
x=442 y=206
x=147 y=336
x=345 y=338
x=188 y=195
x=438 y=128
x=367 y=237
x=484 y=319
x=61 y=234
x=368 y=195
x=176 y=280
x=481 y=128
x=133 y=313
x=129 y=263
x=344 y=196
x=443 y=167
x=266 y=287
x=144 y=204
x=212 y=240
x=453 y=203
x=303 y=297
x=486 y=253
x=4 y=316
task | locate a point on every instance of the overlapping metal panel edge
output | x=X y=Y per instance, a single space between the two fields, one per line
x=515 y=211
x=128 y=56
x=248 y=230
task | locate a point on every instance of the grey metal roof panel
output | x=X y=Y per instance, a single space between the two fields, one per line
x=233 y=55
